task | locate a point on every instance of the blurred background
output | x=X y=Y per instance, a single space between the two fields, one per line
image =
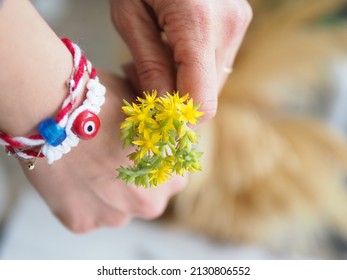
x=280 y=68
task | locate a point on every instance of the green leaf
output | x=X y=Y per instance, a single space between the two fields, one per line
x=176 y=123
x=127 y=103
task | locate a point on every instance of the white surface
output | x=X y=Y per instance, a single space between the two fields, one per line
x=33 y=233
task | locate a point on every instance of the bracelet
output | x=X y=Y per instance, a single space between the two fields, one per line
x=58 y=135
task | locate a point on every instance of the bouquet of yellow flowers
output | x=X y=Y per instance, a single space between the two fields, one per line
x=158 y=128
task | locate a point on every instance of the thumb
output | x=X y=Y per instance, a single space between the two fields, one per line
x=192 y=34
x=152 y=59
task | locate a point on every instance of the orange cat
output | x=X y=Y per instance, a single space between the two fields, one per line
x=273 y=174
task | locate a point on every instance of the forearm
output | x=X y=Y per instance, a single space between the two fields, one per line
x=35 y=66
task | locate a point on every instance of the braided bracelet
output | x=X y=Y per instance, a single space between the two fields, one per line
x=58 y=135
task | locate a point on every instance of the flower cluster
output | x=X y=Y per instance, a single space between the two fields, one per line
x=158 y=128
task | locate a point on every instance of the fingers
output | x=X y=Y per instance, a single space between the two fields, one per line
x=83 y=220
x=151 y=203
x=129 y=70
x=205 y=37
x=152 y=59
x=194 y=76
x=190 y=32
x=114 y=207
x=235 y=23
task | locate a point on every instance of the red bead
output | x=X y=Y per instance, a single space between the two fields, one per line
x=86 y=125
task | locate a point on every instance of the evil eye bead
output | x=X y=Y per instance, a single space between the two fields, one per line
x=86 y=125
x=52 y=132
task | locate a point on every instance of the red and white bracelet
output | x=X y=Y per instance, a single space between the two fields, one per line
x=58 y=135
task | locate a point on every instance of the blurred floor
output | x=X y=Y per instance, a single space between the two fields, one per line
x=33 y=233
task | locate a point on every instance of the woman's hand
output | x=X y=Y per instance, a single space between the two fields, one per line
x=184 y=45
x=81 y=188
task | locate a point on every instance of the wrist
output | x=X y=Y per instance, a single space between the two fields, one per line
x=43 y=87
x=57 y=135
x=37 y=68
x=36 y=97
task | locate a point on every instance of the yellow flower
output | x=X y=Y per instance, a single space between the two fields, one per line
x=189 y=113
x=138 y=115
x=181 y=130
x=168 y=112
x=150 y=99
x=192 y=135
x=148 y=143
x=126 y=125
x=176 y=98
x=129 y=109
x=161 y=174
x=158 y=129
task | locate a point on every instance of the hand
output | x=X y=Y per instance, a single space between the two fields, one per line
x=81 y=188
x=201 y=38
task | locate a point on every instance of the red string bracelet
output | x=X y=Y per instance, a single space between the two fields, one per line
x=58 y=135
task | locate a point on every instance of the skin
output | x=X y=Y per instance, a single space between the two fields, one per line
x=81 y=188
